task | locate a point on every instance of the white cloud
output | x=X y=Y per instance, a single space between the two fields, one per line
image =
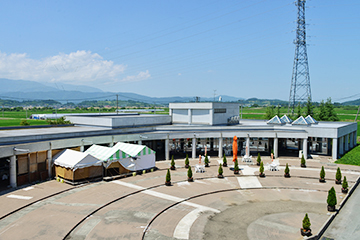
x=77 y=67
x=141 y=76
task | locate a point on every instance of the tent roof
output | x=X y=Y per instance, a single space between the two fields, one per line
x=74 y=160
x=275 y=120
x=100 y=152
x=132 y=149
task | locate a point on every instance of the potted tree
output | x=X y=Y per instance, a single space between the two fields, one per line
x=190 y=175
x=338 y=176
x=168 y=178
x=206 y=161
x=172 y=163
x=224 y=161
x=258 y=160
x=261 y=170
x=345 y=186
x=305 y=230
x=287 y=171
x=322 y=175
x=303 y=161
x=220 y=171
x=236 y=167
x=187 y=161
x=331 y=200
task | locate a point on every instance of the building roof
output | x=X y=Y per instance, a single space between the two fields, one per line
x=301 y=121
x=311 y=120
x=286 y=119
x=276 y=120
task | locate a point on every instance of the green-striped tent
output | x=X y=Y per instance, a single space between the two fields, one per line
x=140 y=156
x=131 y=156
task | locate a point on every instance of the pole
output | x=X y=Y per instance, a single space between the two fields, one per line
x=357 y=114
x=117 y=103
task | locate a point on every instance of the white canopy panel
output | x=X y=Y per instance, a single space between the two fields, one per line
x=75 y=160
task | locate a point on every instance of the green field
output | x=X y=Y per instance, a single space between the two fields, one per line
x=352 y=157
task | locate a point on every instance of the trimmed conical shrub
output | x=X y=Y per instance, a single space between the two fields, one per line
x=261 y=169
x=322 y=173
x=190 y=174
x=220 y=171
x=345 y=184
x=338 y=174
x=172 y=163
x=258 y=160
x=287 y=170
x=206 y=161
x=224 y=161
x=306 y=222
x=236 y=166
x=303 y=161
x=331 y=199
x=187 y=161
x=168 y=178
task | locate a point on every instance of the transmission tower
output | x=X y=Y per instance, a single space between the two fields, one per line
x=300 y=82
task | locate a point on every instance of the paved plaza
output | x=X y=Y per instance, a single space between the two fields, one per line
x=141 y=207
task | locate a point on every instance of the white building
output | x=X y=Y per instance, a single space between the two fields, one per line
x=26 y=154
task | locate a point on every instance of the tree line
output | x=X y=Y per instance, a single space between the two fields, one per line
x=323 y=112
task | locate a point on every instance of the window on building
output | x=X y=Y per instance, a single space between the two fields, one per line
x=220 y=110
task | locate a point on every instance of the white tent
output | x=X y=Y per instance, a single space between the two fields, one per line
x=74 y=165
x=74 y=160
x=140 y=157
x=132 y=157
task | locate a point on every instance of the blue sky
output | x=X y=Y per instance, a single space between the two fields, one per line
x=165 y=48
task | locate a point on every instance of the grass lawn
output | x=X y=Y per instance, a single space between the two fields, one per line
x=16 y=122
x=352 y=157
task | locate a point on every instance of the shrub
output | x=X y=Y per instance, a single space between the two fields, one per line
x=345 y=184
x=24 y=123
x=287 y=170
x=331 y=199
x=224 y=160
x=338 y=174
x=261 y=170
x=236 y=165
x=220 y=170
x=190 y=174
x=168 y=176
x=322 y=173
x=258 y=160
x=187 y=160
x=306 y=222
x=206 y=161
x=172 y=161
x=303 y=161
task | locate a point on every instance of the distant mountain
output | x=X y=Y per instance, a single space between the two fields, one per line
x=352 y=103
x=30 y=90
x=26 y=86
